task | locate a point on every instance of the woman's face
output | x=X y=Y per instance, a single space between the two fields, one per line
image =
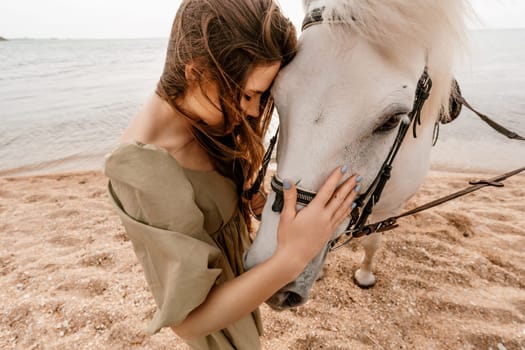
x=258 y=82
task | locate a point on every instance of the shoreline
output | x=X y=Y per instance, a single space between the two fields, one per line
x=36 y=173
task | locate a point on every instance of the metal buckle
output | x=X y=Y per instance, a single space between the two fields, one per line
x=252 y=213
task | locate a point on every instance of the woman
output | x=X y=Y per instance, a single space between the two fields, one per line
x=186 y=160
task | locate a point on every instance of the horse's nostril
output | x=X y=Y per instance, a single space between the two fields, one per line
x=292 y=300
x=283 y=300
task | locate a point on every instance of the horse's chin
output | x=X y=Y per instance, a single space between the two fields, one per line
x=286 y=299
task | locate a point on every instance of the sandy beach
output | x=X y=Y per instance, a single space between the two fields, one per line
x=449 y=278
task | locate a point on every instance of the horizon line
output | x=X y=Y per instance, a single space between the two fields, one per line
x=82 y=38
x=166 y=37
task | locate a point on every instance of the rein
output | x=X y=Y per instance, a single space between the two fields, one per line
x=357 y=226
x=499 y=128
x=391 y=223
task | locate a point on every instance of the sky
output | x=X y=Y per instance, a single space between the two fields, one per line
x=144 y=19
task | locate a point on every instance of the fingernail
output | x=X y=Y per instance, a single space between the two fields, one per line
x=287 y=185
x=357 y=188
x=354 y=205
x=344 y=169
x=359 y=179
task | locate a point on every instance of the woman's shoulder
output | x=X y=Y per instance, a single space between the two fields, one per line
x=150 y=186
x=158 y=127
x=141 y=165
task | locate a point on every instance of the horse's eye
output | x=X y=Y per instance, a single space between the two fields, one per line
x=390 y=124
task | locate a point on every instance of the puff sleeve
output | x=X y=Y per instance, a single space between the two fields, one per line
x=156 y=204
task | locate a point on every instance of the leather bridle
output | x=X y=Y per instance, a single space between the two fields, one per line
x=365 y=203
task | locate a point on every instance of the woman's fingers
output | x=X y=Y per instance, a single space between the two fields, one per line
x=327 y=189
x=332 y=202
x=345 y=209
x=305 y=232
x=341 y=193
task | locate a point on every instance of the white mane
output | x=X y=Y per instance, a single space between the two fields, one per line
x=395 y=25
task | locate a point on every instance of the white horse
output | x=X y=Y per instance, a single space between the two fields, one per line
x=341 y=100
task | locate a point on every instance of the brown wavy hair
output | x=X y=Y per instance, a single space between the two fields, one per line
x=223 y=40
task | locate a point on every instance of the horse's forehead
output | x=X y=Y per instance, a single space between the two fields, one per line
x=348 y=86
x=345 y=95
x=325 y=62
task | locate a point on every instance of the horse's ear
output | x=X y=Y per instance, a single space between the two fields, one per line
x=454 y=105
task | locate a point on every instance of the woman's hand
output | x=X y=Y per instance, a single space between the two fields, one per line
x=302 y=235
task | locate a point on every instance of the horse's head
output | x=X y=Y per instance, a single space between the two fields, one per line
x=343 y=97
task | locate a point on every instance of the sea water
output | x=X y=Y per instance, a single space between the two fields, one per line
x=64 y=103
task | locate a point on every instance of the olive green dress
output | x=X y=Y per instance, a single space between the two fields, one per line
x=187 y=233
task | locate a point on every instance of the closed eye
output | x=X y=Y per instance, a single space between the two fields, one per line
x=393 y=116
x=390 y=124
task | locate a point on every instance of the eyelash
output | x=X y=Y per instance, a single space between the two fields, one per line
x=248 y=98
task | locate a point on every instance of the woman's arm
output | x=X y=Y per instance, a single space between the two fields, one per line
x=301 y=236
x=235 y=299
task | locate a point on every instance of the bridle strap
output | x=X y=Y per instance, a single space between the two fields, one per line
x=375 y=190
x=256 y=187
x=391 y=223
x=303 y=196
